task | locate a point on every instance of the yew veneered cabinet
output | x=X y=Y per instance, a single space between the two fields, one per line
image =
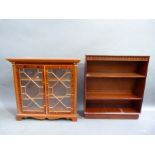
x=45 y=88
x=114 y=86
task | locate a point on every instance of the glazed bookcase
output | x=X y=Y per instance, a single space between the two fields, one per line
x=45 y=88
x=114 y=86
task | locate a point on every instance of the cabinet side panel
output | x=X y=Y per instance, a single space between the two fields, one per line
x=142 y=84
x=85 y=82
x=75 y=89
x=17 y=88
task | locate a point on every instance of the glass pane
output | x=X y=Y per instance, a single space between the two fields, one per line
x=59 y=82
x=31 y=82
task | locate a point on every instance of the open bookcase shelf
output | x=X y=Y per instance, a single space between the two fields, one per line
x=114 y=86
x=112 y=96
x=115 y=75
x=112 y=110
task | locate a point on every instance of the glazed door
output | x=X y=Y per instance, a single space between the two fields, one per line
x=60 y=87
x=31 y=87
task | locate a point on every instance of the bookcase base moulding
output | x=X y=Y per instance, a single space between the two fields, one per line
x=45 y=88
x=72 y=117
x=111 y=116
x=114 y=86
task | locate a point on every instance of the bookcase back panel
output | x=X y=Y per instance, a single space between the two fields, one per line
x=32 y=89
x=108 y=85
x=115 y=67
x=114 y=103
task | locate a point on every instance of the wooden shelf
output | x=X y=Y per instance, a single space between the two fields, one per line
x=40 y=79
x=33 y=109
x=55 y=79
x=112 y=96
x=34 y=79
x=111 y=111
x=115 y=75
x=49 y=97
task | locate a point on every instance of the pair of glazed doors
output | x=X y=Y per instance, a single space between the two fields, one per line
x=46 y=89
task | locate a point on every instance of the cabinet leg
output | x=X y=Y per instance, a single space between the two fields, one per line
x=18 y=118
x=74 y=119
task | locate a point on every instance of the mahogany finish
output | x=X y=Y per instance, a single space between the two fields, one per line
x=114 y=86
x=45 y=88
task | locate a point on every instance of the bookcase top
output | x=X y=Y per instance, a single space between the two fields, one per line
x=116 y=58
x=43 y=60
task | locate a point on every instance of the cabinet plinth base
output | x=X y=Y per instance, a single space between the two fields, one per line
x=19 y=118
x=72 y=117
x=111 y=116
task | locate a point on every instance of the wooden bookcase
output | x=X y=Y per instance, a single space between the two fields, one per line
x=114 y=86
x=45 y=88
